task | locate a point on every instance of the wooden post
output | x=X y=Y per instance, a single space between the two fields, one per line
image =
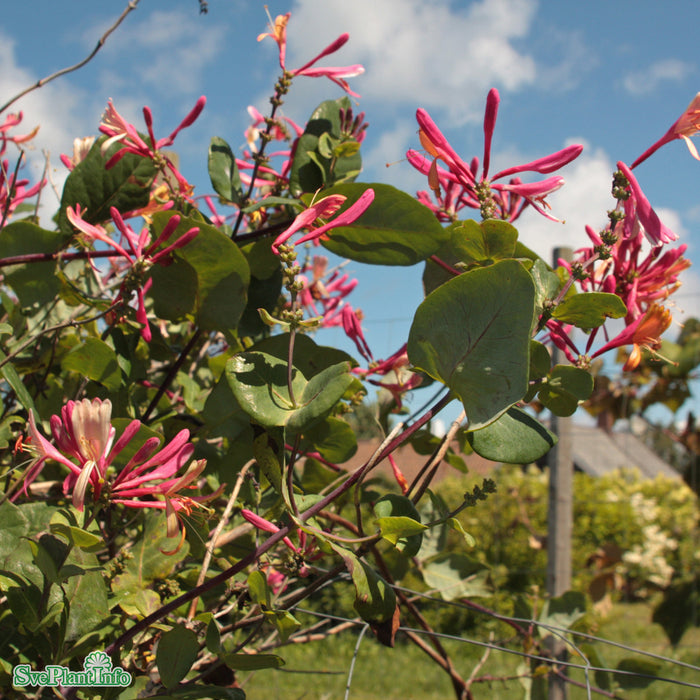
x=559 y=513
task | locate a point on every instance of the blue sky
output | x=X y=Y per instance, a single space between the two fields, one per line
x=610 y=75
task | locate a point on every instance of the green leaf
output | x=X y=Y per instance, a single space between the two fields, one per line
x=125 y=186
x=9 y=372
x=332 y=438
x=457 y=527
x=177 y=651
x=394 y=230
x=375 y=600
x=252 y=662
x=35 y=284
x=285 y=623
x=268 y=451
x=89 y=541
x=398 y=528
x=471 y=244
x=455 y=575
x=258 y=589
x=473 y=334
x=323 y=155
x=212 y=637
x=486 y=242
x=515 y=438
x=590 y=310
x=563 y=610
x=565 y=387
x=259 y=383
x=639 y=669
x=400 y=523
x=95 y=360
x=676 y=611
x=547 y=285
x=223 y=171
x=207 y=279
x=148 y=562
x=309 y=357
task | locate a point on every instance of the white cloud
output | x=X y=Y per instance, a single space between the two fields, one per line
x=58 y=107
x=647 y=80
x=422 y=50
x=172 y=58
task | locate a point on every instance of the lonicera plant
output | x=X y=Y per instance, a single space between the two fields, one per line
x=174 y=429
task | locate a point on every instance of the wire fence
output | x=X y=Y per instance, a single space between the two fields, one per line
x=579 y=661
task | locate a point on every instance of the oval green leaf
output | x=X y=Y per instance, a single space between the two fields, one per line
x=208 y=278
x=177 y=651
x=515 y=438
x=473 y=334
x=590 y=310
x=395 y=229
x=565 y=387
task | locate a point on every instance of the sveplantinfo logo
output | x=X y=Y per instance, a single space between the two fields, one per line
x=97 y=673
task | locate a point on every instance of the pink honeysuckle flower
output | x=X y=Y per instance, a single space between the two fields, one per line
x=353 y=329
x=118 y=130
x=13 y=191
x=142 y=253
x=644 y=332
x=323 y=209
x=534 y=192
x=11 y=121
x=84 y=443
x=642 y=212
x=397 y=365
x=684 y=127
x=307 y=549
x=323 y=297
x=81 y=147
x=398 y=475
x=278 y=32
x=473 y=185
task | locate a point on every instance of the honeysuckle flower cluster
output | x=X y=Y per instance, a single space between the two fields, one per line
x=118 y=130
x=322 y=210
x=462 y=184
x=11 y=121
x=397 y=377
x=278 y=32
x=620 y=260
x=14 y=191
x=138 y=254
x=323 y=295
x=84 y=443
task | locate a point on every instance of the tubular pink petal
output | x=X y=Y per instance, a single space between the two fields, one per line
x=684 y=127
x=265 y=525
x=168 y=230
x=80 y=487
x=492 y=101
x=179 y=243
x=187 y=121
x=545 y=165
x=655 y=231
x=91 y=231
x=331 y=48
x=323 y=208
x=347 y=217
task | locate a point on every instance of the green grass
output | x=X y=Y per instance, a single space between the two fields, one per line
x=319 y=670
